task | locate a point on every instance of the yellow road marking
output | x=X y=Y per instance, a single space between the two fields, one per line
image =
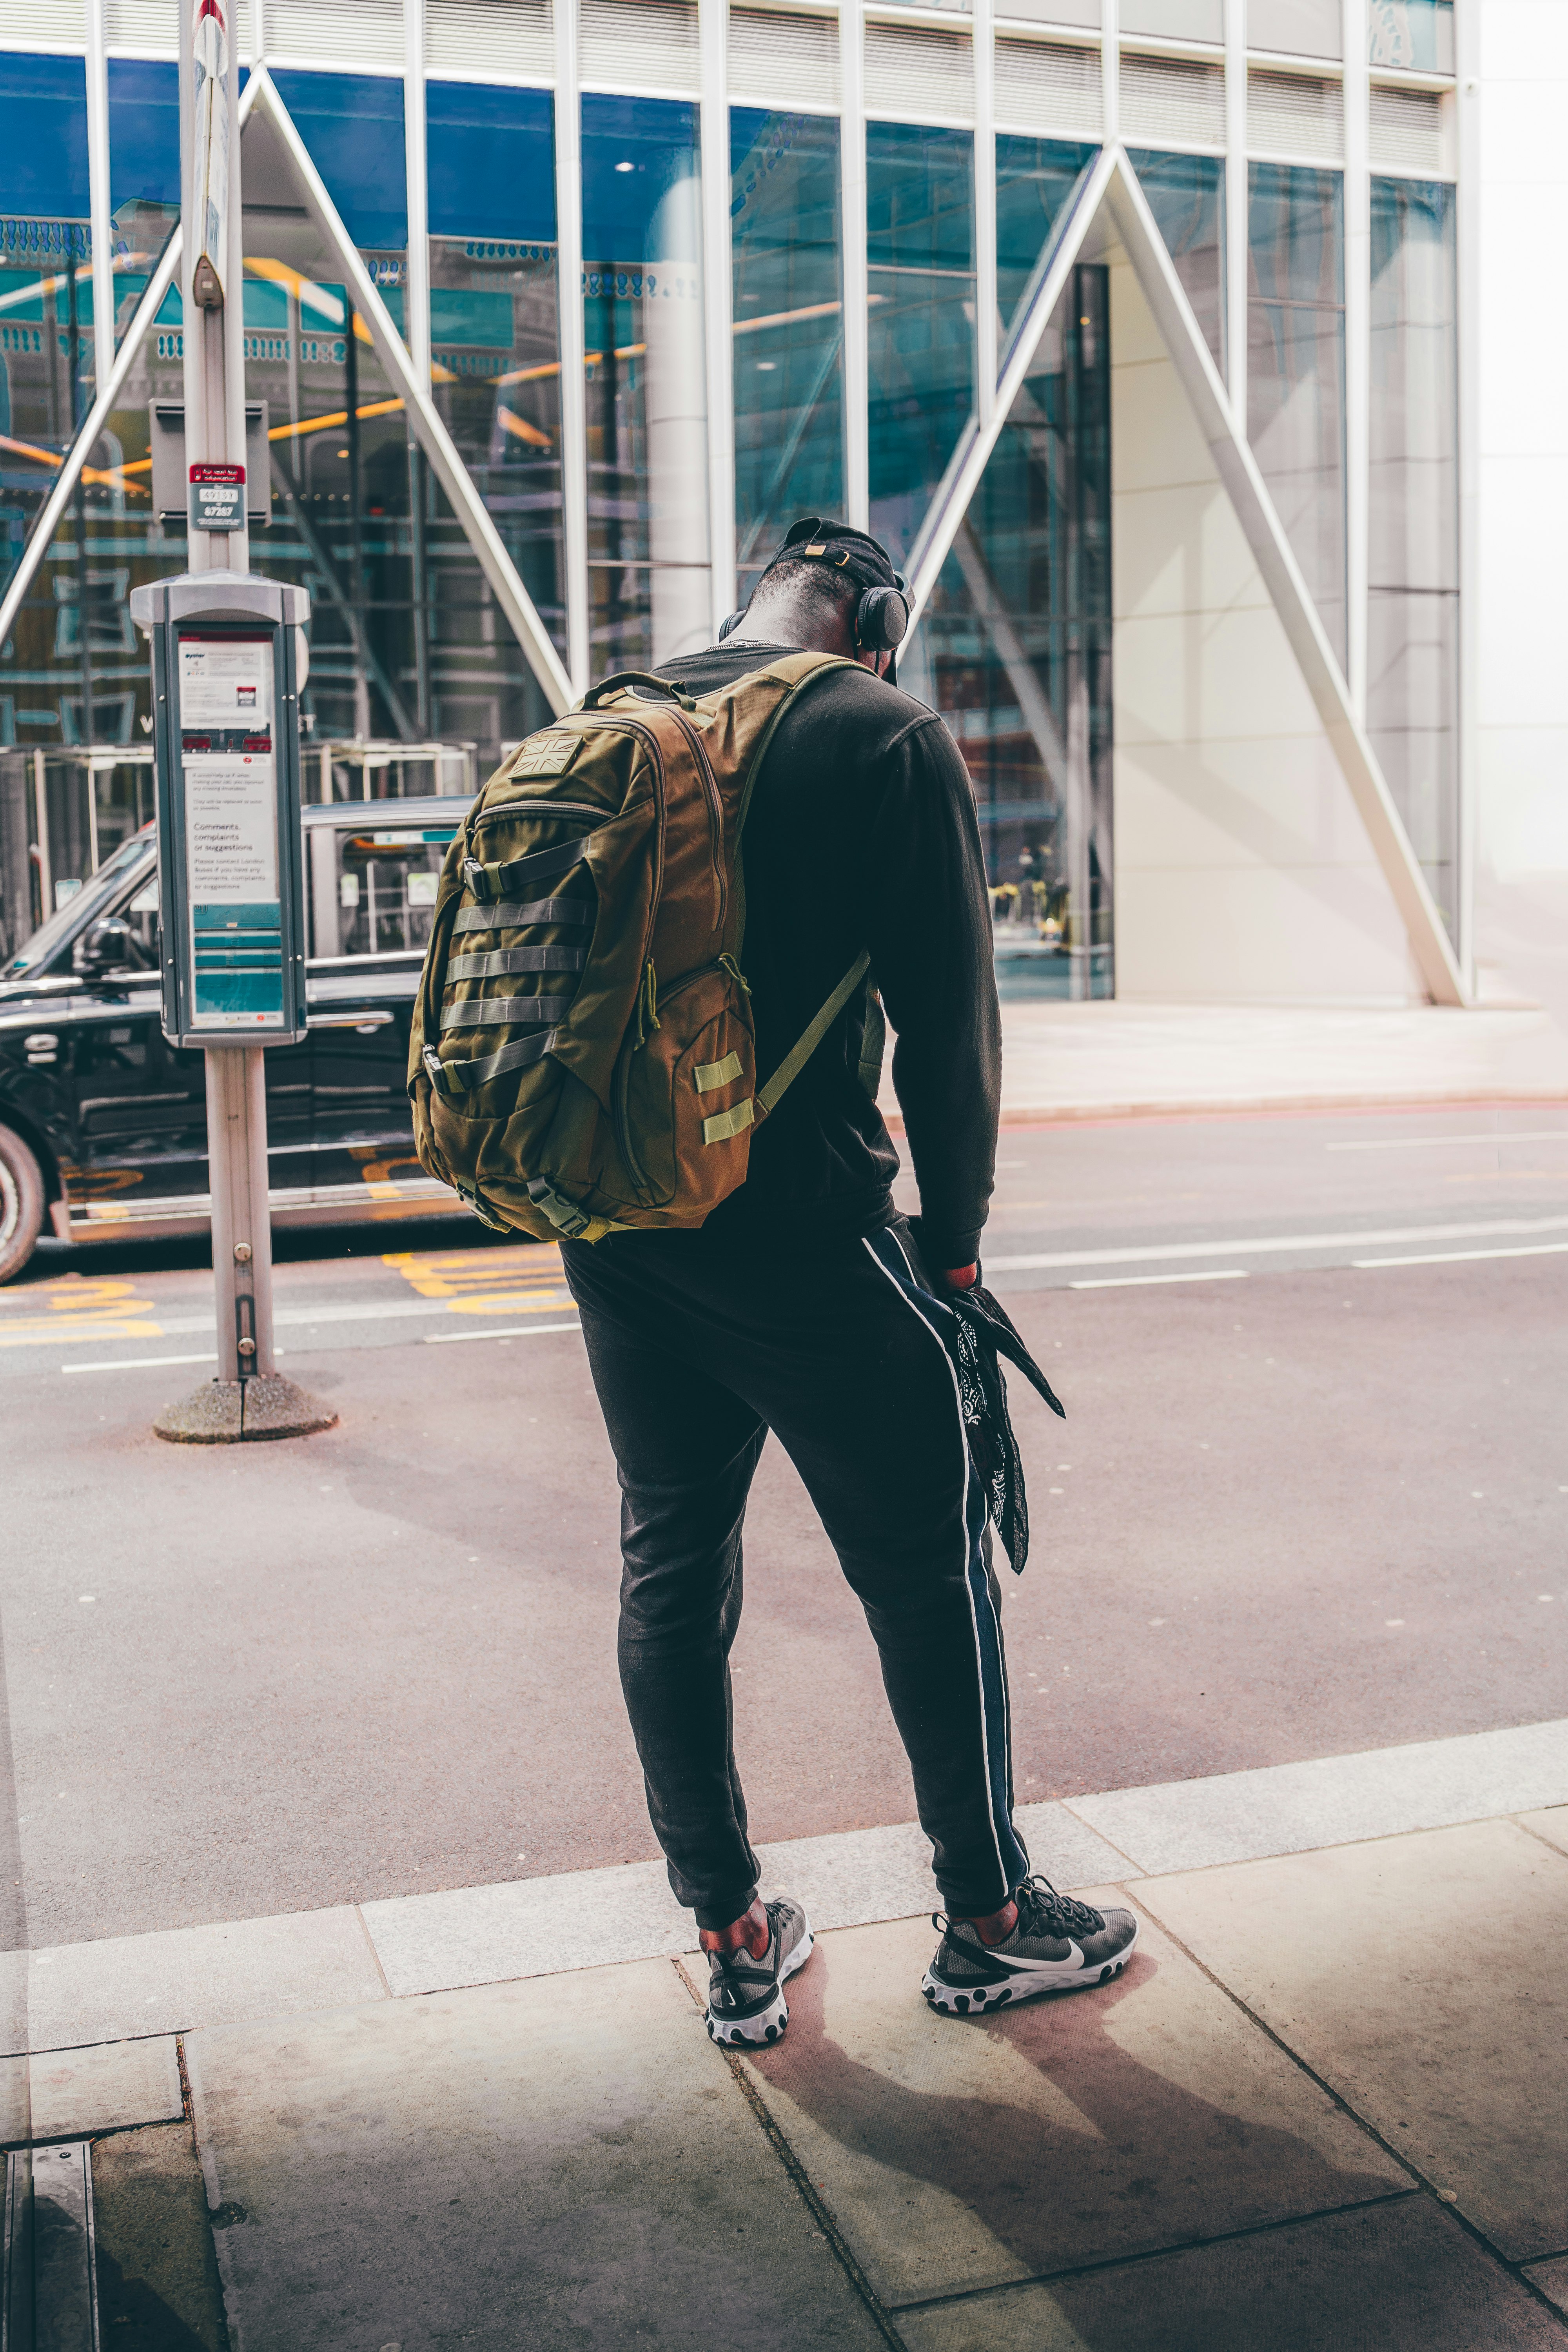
x=78 y=1307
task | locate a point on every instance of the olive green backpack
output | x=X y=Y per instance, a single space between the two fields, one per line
x=582 y=1058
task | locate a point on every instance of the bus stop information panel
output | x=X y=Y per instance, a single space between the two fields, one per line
x=227 y=740
x=232 y=853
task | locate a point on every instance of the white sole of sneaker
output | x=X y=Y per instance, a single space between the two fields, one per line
x=972 y=2001
x=768 y=2024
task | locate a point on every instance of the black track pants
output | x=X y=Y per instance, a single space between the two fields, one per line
x=698 y=1347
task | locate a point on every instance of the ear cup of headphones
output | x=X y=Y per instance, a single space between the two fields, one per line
x=881 y=619
x=734 y=621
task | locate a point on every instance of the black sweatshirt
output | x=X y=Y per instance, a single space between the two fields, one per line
x=862 y=835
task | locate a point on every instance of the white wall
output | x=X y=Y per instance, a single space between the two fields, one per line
x=1521 y=436
x=1243 y=871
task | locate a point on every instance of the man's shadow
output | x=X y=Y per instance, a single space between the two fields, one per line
x=1157 y=2164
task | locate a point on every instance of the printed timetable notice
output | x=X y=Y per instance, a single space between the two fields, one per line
x=231 y=833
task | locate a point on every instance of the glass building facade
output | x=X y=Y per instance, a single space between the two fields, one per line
x=647 y=373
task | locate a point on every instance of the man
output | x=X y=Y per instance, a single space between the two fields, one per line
x=798 y=1307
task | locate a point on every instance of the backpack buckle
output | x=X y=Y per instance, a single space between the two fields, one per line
x=474 y=877
x=568 y=1219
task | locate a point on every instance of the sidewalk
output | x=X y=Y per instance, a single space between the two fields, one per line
x=1324 y=2106
x=1116 y=1059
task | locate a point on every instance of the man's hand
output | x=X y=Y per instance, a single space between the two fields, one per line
x=962 y=1278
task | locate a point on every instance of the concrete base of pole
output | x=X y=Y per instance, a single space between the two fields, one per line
x=240 y=1413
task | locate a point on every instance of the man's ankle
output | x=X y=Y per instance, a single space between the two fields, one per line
x=996 y=1926
x=750 y=1933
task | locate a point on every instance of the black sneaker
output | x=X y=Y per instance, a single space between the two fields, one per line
x=745 y=1997
x=1055 y=1942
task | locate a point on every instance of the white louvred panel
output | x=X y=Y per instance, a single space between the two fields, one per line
x=783 y=60
x=1172 y=98
x=304 y=32
x=1046 y=86
x=638 y=45
x=42 y=24
x=919 y=73
x=1294 y=114
x=1408 y=132
x=147 y=27
x=490 y=37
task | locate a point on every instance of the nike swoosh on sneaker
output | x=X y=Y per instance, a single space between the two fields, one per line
x=1074 y=1961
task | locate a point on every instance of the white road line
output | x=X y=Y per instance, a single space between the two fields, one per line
x=141 y=1363
x=1462 y=1257
x=1426 y=1142
x=1141 y=1281
x=512 y=1332
x=1254 y=1245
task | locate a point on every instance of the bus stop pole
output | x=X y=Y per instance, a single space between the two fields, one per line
x=214 y=354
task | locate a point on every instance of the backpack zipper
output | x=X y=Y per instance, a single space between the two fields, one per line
x=715 y=816
x=515 y=810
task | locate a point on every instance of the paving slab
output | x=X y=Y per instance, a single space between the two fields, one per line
x=563 y=2163
x=1331 y=1800
x=1552 y=1825
x=1401 y=2275
x=1551 y=2279
x=1422 y=1977
x=957 y=2153
x=125 y=1987
x=74 y=2094
x=530 y=1926
x=158 y=2288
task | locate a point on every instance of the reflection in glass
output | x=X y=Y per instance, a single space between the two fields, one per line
x=920 y=221
x=407 y=641
x=495 y=359
x=1015 y=651
x=352 y=125
x=75 y=672
x=1186 y=196
x=1296 y=369
x=46 y=309
x=648 y=580
x=789 y=337
x=1035 y=177
x=1417 y=34
x=1414 y=555
x=144 y=170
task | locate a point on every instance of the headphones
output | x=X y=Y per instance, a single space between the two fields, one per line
x=882 y=613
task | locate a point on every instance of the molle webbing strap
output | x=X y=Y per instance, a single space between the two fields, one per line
x=492 y=882
x=497 y=1011
x=510 y=915
x=450 y=1078
x=545 y=958
x=806 y=1045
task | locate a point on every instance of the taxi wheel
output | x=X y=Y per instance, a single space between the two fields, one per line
x=21 y=1204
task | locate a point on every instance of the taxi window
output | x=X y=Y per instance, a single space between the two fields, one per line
x=372 y=892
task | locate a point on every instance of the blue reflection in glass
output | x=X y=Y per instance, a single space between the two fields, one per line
x=1035 y=178
x=920 y=236
x=1186 y=196
x=1296 y=369
x=1015 y=650
x=646 y=388
x=493 y=325
x=352 y=125
x=789 y=339
x=144 y=133
x=1413 y=616
x=490 y=161
x=43 y=159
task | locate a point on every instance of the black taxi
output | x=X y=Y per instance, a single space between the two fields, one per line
x=103 y=1124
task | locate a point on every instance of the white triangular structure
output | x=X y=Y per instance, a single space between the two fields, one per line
x=1326 y=927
